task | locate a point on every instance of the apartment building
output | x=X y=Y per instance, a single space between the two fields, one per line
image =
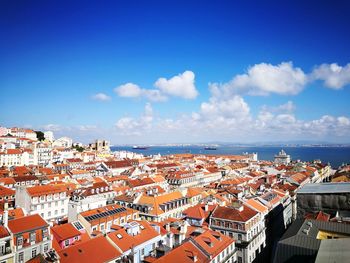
x=245 y=225
x=50 y=201
x=102 y=218
x=31 y=236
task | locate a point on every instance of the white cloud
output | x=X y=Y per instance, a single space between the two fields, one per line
x=233 y=108
x=181 y=85
x=136 y=126
x=264 y=79
x=101 y=97
x=52 y=127
x=131 y=90
x=333 y=75
x=288 y=107
x=128 y=90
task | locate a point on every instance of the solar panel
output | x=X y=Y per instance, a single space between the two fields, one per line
x=77 y=225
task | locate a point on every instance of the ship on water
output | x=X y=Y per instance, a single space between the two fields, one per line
x=138 y=147
x=210 y=148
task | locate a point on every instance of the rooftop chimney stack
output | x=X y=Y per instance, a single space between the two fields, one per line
x=6 y=215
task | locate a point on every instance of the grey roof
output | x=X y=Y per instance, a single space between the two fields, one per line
x=300 y=240
x=325 y=188
x=334 y=251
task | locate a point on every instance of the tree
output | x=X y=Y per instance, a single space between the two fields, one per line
x=40 y=135
x=78 y=148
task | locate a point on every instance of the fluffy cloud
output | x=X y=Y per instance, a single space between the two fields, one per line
x=264 y=79
x=131 y=90
x=288 y=107
x=128 y=90
x=136 y=126
x=101 y=97
x=333 y=75
x=233 y=108
x=181 y=85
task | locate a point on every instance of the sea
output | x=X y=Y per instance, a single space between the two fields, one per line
x=336 y=156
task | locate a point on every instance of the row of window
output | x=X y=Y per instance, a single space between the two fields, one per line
x=34 y=252
x=49 y=214
x=49 y=197
x=49 y=204
x=32 y=237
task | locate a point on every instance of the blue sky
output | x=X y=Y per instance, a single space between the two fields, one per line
x=57 y=55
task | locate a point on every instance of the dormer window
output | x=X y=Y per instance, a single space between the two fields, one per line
x=32 y=236
x=45 y=232
x=19 y=241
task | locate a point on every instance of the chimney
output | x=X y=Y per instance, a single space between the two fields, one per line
x=167 y=227
x=5 y=218
x=206 y=208
x=195 y=258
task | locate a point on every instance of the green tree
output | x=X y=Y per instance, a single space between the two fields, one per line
x=40 y=135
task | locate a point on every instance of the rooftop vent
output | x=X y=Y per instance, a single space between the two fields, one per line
x=306 y=231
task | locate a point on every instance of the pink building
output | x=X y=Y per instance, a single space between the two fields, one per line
x=66 y=235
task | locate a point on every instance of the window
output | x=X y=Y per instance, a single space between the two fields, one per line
x=62 y=211
x=19 y=241
x=45 y=232
x=142 y=251
x=56 y=203
x=3 y=249
x=49 y=214
x=42 y=206
x=66 y=243
x=33 y=252
x=32 y=236
x=239 y=236
x=49 y=204
x=46 y=248
x=21 y=257
x=56 y=212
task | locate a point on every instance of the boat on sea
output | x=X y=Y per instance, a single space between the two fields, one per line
x=210 y=148
x=138 y=147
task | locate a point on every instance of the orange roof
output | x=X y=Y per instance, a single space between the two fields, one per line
x=184 y=253
x=198 y=211
x=7 y=180
x=44 y=190
x=213 y=242
x=231 y=213
x=4 y=191
x=3 y=232
x=15 y=213
x=14 y=151
x=155 y=201
x=94 y=250
x=126 y=241
x=256 y=205
x=65 y=231
x=26 y=223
